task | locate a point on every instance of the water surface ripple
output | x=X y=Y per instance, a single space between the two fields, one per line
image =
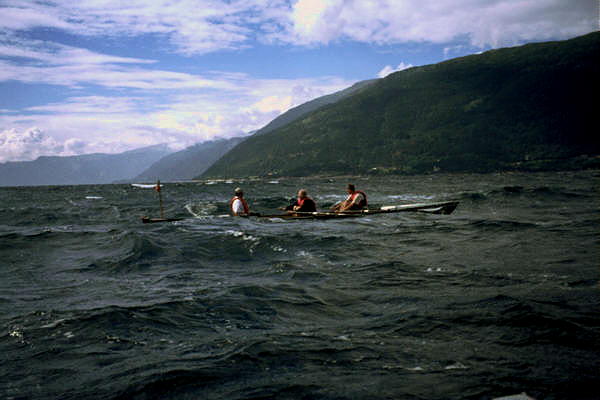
x=499 y=298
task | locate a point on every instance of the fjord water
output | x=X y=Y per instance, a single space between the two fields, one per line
x=499 y=298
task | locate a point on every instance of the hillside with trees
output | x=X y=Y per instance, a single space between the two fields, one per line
x=528 y=107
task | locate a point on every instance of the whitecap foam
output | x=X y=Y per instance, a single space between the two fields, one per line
x=16 y=333
x=54 y=324
x=201 y=209
x=409 y=197
x=456 y=366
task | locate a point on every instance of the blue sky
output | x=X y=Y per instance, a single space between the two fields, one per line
x=110 y=76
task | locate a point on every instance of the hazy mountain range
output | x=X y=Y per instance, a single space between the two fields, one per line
x=189 y=162
x=82 y=169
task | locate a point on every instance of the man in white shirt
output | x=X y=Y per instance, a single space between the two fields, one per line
x=238 y=205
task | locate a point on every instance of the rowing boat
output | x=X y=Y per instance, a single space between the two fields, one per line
x=446 y=207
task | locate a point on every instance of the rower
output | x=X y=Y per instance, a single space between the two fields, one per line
x=303 y=203
x=356 y=200
x=238 y=205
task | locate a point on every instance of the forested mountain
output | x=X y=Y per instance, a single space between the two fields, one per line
x=83 y=169
x=502 y=109
x=189 y=162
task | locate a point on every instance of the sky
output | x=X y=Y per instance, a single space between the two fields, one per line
x=108 y=76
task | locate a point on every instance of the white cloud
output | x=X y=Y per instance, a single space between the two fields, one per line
x=191 y=26
x=26 y=145
x=108 y=75
x=55 y=54
x=203 y=26
x=486 y=23
x=23 y=15
x=92 y=105
x=273 y=103
x=181 y=118
x=56 y=64
x=75 y=146
x=388 y=69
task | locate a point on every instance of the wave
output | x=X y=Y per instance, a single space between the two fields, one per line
x=522 y=322
x=473 y=196
x=518 y=192
x=541 y=191
x=501 y=225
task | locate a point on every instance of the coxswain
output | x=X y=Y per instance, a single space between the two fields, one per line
x=238 y=205
x=303 y=203
x=356 y=200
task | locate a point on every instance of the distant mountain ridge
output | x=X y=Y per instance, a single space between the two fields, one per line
x=189 y=162
x=192 y=161
x=502 y=109
x=94 y=168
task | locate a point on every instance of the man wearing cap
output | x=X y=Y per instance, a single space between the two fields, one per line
x=238 y=205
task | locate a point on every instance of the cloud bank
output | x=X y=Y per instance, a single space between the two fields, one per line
x=489 y=23
x=16 y=145
x=180 y=118
x=204 y=26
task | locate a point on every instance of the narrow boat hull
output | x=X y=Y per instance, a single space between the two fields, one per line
x=446 y=207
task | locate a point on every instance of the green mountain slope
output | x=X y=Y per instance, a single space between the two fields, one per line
x=476 y=113
x=297 y=112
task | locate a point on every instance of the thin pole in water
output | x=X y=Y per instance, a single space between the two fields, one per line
x=162 y=211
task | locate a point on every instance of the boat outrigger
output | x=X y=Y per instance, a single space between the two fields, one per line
x=446 y=207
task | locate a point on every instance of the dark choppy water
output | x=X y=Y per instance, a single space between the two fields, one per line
x=499 y=298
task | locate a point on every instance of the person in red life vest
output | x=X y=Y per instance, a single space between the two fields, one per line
x=356 y=200
x=303 y=203
x=238 y=205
